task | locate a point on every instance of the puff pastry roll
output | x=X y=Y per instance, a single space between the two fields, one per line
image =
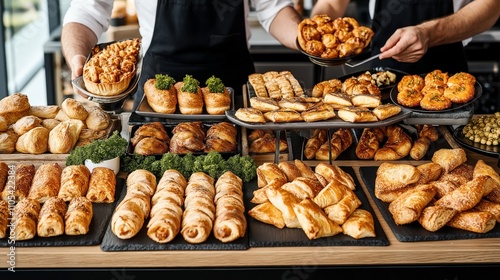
x=331 y=194
x=78 y=216
x=4 y=172
x=359 y=224
x=51 y=218
x=268 y=172
x=230 y=222
x=449 y=158
x=284 y=201
x=4 y=218
x=26 y=215
x=199 y=208
x=46 y=182
x=127 y=220
x=22 y=180
x=464 y=197
x=314 y=221
x=333 y=172
x=344 y=208
x=303 y=187
x=475 y=221
x=74 y=182
x=102 y=185
x=267 y=213
x=407 y=207
x=490 y=207
x=142 y=180
x=435 y=217
x=166 y=209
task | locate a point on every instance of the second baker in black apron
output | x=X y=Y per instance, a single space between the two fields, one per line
x=201 y=39
x=390 y=15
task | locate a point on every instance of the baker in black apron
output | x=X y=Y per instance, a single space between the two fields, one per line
x=390 y=16
x=200 y=39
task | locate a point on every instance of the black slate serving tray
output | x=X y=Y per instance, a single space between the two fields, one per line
x=265 y=235
x=142 y=242
x=100 y=220
x=415 y=232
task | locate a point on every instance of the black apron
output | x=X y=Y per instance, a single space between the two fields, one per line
x=393 y=14
x=199 y=38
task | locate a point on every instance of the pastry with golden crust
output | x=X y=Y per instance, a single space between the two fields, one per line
x=216 y=96
x=161 y=94
x=409 y=97
x=74 y=109
x=63 y=137
x=359 y=224
x=267 y=213
x=26 y=214
x=356 y=114
x=250 y=115
x=51 y=217
x=22 y=182
x=109 y=71
x=435 y=217
x=313 y=220
x=25 y=124
x=413 y=82
x=14 y=107
x=4 y=218
x=189 y=96
x=34 y=141
x=475 y=221
x=74 y=182
x=102 y=185
x=283 y=115
x=449 y=159
x=46 y=182
x=264 y=104
x=78 y=216
x=407 y=207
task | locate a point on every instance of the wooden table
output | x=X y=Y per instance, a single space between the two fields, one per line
x=470 y=252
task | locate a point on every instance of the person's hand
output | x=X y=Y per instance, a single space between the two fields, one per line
x=76 y=65
x=407 y=44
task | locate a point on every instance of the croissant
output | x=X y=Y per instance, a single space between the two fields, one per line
x=221 y=137
x=368 y=144
x=26 y=215
x=397 y=146
x=340 y=141
x=152 y=129
x=51 y=218
x=313 y=220
x=78 y=216
x=46 y=182
x=314 y=143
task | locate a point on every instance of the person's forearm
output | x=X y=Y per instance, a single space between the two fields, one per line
x=474 y=18
x=284 y=27
x=333 y=8
x=76 y=39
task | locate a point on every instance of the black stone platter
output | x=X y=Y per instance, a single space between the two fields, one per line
x=265 y=235
x=101 y=216
x=415 y=232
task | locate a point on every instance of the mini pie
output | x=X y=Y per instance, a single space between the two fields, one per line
x=109 y=71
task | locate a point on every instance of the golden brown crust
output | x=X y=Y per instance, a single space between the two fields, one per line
x=51 y=218
x=34 y=141
x=22 y=182
x=160 y=100
x=393 y=179
x=264 y=104
x=4 y=172
x=414 y=82
x=14 y=107
x=150 y=146
x=319 y=112
x=216 y=103
x=221 y=137
x=63 y=137
x=435 y=217
x=250 y=115
x=97 y=119
x=313 y=220
x=449 y=159
x=74 y=109
x=25 y=124
x=284 y=201
x=464 y=197
x=407 y=207
x=368 y=144
x=334 y=173
x=46 y=182
x=340 y=211
x=44 y=112
x=386 y=111
x=267 y=213
x=435 y=102
x=475 y=221
x=359 y=224
x=26 y=214
x=190 y=103
x=356 y=114
x=74 y=182
x=268 y=172
x=78 y=216
x=102 y=185
x=283 y=115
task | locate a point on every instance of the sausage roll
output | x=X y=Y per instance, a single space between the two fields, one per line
x=166 y=209
x=26 y=215
x=74 y=182
x=22 y=180
x=102 y=185
x=78 y=216
x=51 y=218
x=46 y=182
x=4 y=218
x=230 y=222
x=199 y=208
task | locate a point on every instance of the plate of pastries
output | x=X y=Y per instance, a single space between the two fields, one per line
x=436 y=91
x=51 y=129
x=357 y=101
x=328 y=41
x=112 y=70
x=164 y=97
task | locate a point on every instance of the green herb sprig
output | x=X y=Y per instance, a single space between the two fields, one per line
x=215 y=85
x=164 y=82
x=190 y=84
x=99 y=150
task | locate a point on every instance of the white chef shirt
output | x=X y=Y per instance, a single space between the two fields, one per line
x=96 y=15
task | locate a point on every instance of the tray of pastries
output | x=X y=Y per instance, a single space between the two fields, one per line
x=275 y=104
x=330 y=42
x=178 y=213
x=50 y=132
x=56 y=205
x=111 y=71
x=447 y=198
x=196 y=137
x=293 y=204
x=185 y=100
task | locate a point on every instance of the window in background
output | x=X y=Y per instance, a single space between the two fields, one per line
x=26 y=28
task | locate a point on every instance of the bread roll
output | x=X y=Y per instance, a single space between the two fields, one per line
x=50 y=123
x=3 y=124
x=97 y=118
x=8 y=140
x=46 y=182
x=25 y=124
x=63 y=137
x=14 y=107
x=44 y=112
x=34 y=141
x=160 y=100
x=74 y=109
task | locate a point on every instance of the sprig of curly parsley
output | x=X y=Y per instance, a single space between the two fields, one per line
x=190 y=84
x=215 y=84
x=164 y=82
